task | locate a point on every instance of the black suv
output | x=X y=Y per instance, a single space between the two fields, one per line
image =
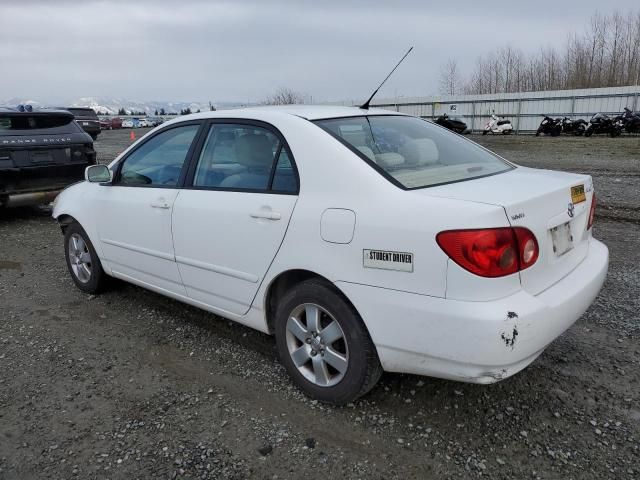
x=88 y=119
x=41 y=152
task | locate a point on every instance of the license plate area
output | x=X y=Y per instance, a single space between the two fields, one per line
x=561 y=239
x=578 y=194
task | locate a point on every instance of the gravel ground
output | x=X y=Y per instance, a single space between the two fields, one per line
x=130 y=384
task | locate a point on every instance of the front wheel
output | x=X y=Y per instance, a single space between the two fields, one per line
x=82 y=261
x=588 y=132
x=324 y=345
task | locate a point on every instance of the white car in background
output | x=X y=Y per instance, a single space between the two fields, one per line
x=128 y=123
x=365 y=240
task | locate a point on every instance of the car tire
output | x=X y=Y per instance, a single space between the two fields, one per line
x=82 y=260
x=339 y=371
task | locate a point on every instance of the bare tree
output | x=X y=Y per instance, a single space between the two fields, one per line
x=450 y=78
x=606 y=54
x=284 y=96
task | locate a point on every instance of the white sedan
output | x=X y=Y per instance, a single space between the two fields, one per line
x=364 y=240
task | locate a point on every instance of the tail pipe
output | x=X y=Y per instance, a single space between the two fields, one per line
x=25 y=199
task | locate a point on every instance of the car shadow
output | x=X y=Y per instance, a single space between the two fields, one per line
x=8 y=215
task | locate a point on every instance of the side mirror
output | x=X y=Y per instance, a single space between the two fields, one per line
x=98 y=174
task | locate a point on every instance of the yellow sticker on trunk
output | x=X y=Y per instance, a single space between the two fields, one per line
x=577 y=194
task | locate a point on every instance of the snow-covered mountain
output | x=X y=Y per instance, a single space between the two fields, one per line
x=111 y=105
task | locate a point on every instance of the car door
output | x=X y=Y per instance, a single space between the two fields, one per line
x=134 y=211
x=230 y=219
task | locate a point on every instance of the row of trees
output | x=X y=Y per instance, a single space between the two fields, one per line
x=607 y=54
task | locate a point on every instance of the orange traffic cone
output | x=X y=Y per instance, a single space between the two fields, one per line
x=132 y=136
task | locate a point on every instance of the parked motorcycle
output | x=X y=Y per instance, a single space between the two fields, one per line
x=630 y=121
x=452 y=123
x=601 y=123
x=550 y=126
x=497 y=125
x=574 y=127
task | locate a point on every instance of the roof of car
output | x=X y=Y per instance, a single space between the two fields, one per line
x=309 y=112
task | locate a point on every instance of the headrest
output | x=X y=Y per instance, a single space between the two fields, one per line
x=420 y=151
x=225 y=136
x=254 y=150
x=367 y=152
x=390 y=159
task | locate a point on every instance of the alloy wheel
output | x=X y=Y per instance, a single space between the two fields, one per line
x=317 y=345
x=79 y=258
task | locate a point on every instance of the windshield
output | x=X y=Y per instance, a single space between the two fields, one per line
x=83 y=112
x=412 y=152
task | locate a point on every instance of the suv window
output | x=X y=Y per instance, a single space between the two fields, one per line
x=239 y=156
x=159 y=161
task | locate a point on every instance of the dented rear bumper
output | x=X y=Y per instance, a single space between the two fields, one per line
x=478 y=342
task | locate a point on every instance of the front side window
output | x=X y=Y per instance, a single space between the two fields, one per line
x=239 y=156
x=159 y=161
x=413 y=152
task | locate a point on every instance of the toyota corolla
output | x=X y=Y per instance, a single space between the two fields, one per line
x=364 y=240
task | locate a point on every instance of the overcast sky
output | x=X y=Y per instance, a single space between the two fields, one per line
x=242 y=50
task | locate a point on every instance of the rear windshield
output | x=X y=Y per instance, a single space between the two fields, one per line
x=83 y=112
x=412 y=152
x=32 y=122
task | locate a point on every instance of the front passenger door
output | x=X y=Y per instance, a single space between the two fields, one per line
x=134 y=212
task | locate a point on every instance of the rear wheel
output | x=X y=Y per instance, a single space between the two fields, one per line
x=324 y=344
x=82 y=261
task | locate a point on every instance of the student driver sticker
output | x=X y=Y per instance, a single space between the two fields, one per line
x=388 y=260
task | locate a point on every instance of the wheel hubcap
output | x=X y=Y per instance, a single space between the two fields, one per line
x=317 y=345
x=79 y=258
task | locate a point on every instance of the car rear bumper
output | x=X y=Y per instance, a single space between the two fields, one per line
x=477 y=342
x=37 y=185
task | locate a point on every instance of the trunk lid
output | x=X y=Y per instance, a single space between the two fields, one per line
x=553 y=205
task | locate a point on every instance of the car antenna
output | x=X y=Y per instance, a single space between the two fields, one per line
x=365 y=105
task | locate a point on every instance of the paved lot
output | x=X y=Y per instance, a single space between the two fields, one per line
x=129 y=384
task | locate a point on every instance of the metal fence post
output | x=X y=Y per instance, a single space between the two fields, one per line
x=518 y=116
x=473 y=117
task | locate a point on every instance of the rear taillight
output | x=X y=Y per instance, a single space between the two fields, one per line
x=592 y=211
x=490 y=252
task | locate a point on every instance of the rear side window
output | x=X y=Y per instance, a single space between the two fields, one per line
x=244 y=157
x=412 y=152
x=33 y=122
x=159 y=161
x=84 y=112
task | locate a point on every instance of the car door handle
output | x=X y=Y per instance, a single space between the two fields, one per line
x=266 y=214
x=161 y=204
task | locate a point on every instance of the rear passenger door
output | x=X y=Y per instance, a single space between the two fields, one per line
x=231 y=217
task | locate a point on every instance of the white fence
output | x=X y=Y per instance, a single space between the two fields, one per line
x=525 y=110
